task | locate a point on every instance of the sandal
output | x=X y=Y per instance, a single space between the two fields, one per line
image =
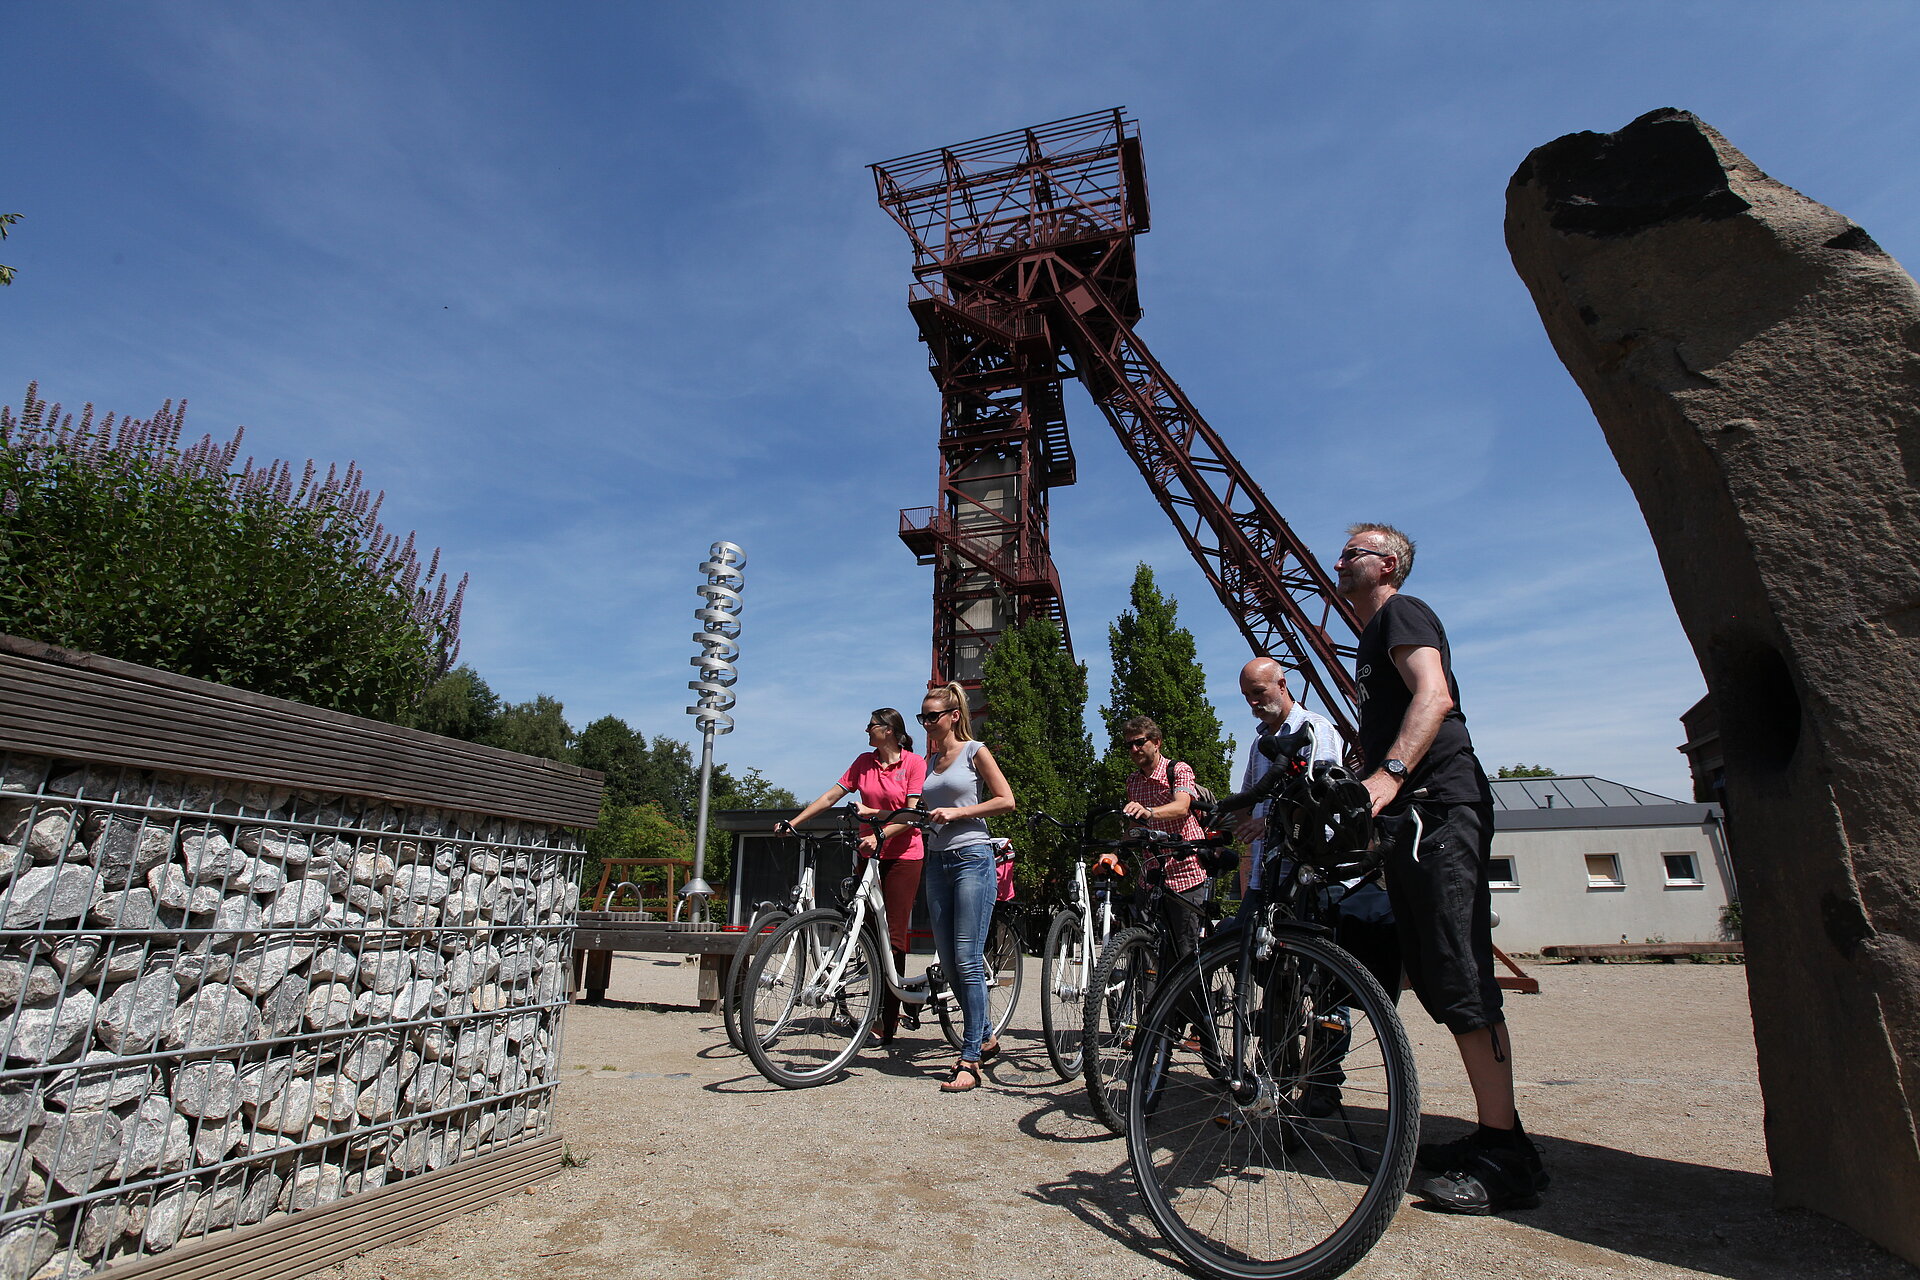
x=969 y=1070
x=990 y=1050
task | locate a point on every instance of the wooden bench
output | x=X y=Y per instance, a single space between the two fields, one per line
x=601 y=933
x=1665 y=952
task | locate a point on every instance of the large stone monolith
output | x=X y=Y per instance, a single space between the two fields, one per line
x=1754 y=359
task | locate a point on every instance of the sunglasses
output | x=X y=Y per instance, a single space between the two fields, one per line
x=1354 y=553
x=1131 y=743
x=928 y=717
x=877 y=725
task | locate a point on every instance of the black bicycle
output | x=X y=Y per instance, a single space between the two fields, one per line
x=1129 y=968
x=1274 y=1107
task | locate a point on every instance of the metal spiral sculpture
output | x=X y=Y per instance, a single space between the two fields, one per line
x=720 y=640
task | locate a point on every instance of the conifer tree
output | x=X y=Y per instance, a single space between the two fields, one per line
x=1157 y=673
x=1038 y=732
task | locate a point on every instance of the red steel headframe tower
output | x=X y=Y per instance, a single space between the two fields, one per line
x=1023 y=276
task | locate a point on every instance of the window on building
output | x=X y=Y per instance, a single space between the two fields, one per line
x=1500 y=874
x=1681 y=869
x=1603 y=871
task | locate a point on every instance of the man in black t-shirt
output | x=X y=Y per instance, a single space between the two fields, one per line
x=1435 y=814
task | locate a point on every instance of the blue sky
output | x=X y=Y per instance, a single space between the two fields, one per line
x=585 y=287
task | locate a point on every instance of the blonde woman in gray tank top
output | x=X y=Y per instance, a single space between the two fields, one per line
x=964 y=787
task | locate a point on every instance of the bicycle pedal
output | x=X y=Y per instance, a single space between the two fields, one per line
x=911 y=1021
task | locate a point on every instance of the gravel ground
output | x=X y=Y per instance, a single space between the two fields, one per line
x=1638 y=1081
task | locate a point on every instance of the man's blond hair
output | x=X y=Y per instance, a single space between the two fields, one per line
x=1398 y=545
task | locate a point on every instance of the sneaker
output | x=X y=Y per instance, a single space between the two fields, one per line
x=1443 y=1157
x=1488 y=1180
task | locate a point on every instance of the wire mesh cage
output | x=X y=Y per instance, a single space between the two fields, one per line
x=221 y=1001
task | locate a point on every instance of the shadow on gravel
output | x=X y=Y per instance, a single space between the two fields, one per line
x=1067 y=1118
x=1106 y=1202
x=1720 y=1221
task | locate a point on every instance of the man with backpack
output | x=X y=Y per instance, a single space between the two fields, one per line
x=1161 y=794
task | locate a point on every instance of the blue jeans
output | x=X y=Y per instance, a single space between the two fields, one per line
x=960 y=886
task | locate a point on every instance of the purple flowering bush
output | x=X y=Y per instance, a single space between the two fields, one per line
x=117 y=540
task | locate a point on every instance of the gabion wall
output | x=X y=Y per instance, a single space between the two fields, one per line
x=220 y=1001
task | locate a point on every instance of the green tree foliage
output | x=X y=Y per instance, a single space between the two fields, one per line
x=6 y=220
x=1038 y=730
x=1527 y=771
x=115 y=539
x=617 y=751
x=537 y=728
x=632 y=831
x=1157 y=673
x=457 y=705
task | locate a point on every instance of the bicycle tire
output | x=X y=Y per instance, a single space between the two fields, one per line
x=1064 y=970
x=1260 y=1186
x=1003 y=955
x=797 y=1034
x=768 y=917
x=1117 y=996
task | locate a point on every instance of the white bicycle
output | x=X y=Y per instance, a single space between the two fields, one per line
x=1076 y=938
x=811 y=994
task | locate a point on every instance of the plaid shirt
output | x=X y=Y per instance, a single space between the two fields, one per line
x=1155 y=790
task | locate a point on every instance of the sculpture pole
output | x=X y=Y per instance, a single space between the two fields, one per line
x=719 y=641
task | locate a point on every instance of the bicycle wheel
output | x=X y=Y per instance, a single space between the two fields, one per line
x=1064 y=970
x=801 y=1027
x=1117 y=995
x=1002 y=956
x=1297 y=1172
x=731 y=994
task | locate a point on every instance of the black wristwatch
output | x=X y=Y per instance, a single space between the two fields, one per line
x=1396 y=769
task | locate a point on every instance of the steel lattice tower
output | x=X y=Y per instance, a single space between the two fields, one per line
x=1024 y=276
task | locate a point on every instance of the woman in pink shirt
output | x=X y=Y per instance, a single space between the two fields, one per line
x=887 y=776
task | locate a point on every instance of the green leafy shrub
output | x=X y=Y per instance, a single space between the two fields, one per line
x=114 y=539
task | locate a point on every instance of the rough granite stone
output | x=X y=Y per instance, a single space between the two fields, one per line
x=313 y=1185
x=299 y=904
x=208 y=1089
x=284 y=1008
x=1753 y=358
x=209 y=857
x=79 y=1152
x=27 y=980
x=262 y=967
x=216 y=1014
x=123 y=909
x=191 y=968
x=154 y=1137
x=50 y=1033
x=50 y=895
x=330 y=1006
x=20 y=1107
x=281 y=846
x=24 y=1250
x=173 y=886
x=124 y=847
x=101 y=1080
x=368 y=1057
x=167 y=1216
x=334 y=964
